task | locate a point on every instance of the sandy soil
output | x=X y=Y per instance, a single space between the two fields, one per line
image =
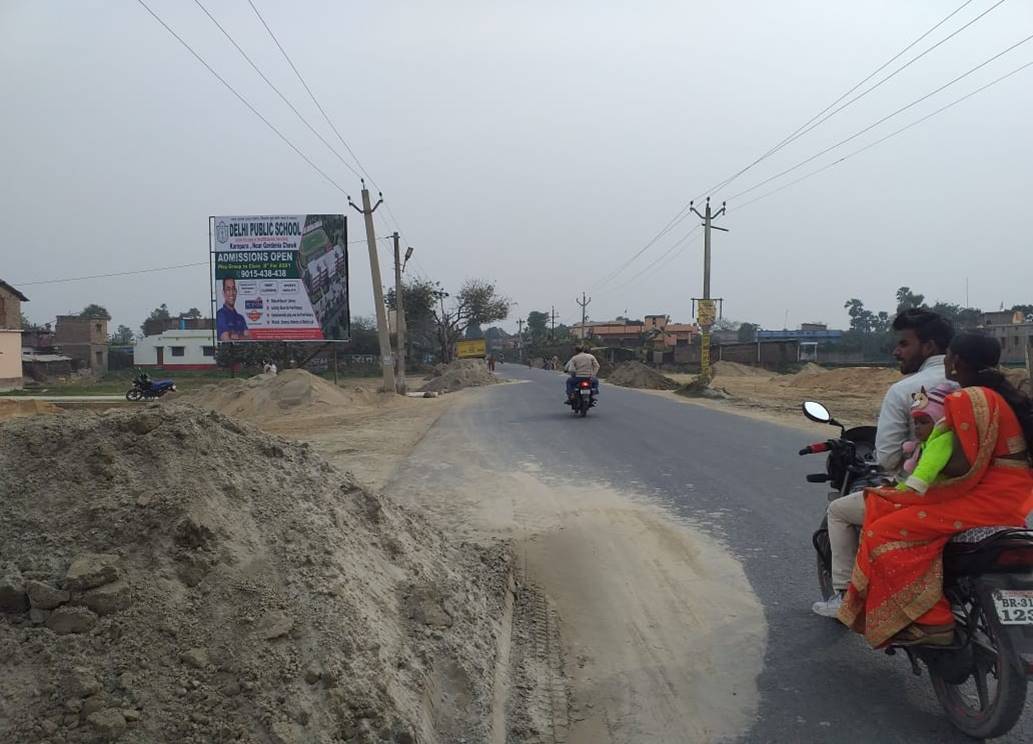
x=646 y=610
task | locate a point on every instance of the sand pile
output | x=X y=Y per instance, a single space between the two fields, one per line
x=462 y=373
x=734 y=369
x=12 y=407
x=638 y=375
x=859 y=380
x=264 y=397
x=170 y=575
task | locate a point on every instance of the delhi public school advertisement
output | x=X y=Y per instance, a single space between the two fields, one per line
x=281 y=278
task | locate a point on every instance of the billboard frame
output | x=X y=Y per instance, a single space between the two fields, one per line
x=211 y=289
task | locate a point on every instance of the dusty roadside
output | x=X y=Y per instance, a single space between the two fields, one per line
x=625 y=619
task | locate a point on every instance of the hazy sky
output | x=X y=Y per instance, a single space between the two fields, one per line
x=539 y=144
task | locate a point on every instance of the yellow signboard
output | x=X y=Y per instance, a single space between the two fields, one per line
x=472 y=349
x=707 y=313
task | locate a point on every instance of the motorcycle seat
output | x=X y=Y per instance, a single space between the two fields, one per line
x=974 y=551
x=977 y=534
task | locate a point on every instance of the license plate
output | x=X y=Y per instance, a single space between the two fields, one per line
x=1014 y=607
x=586 y=391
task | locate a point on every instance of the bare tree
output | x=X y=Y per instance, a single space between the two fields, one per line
x=477 y=303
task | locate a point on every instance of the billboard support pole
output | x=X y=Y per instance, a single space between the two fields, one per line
x=335 y=364
x=386 y=362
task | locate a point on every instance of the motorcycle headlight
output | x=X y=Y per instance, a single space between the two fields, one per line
x=173 y=387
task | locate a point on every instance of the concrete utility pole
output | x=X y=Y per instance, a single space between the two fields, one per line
x=707 y=314
x=386 y=360
x=553 y=331
x=400 y=328
x=520 y=339
x=584 y=302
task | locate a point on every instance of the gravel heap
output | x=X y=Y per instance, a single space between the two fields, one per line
x=638 y=375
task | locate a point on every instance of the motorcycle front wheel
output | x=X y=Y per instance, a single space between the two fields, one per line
x=134 y=395
x=990 y=701
x=823 y=549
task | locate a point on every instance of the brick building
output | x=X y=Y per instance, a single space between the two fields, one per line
x=84 y=340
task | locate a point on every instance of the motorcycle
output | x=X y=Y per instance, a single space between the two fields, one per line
x=144 y=388
x=980 y=680
x=583 y=397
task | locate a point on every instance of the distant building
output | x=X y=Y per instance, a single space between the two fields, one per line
x=84 y=340
x=10 y=336
x=635 y=333
x=190 y=349
x=813 y=327
x=1003 y=317
x=1014 y=338
x=802 y=334
x=11 y=306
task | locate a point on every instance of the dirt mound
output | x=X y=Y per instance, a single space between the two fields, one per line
x=638 y=375
x=12 y=407
x=462 y=373
x=176 y=576
x=812 y=368
x=734 y=369
x=264 y=397
x=859 y=380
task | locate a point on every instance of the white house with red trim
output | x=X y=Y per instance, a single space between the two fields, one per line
x=176 y=349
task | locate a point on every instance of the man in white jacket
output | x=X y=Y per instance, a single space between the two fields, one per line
x=922 y=340
x=581 y=365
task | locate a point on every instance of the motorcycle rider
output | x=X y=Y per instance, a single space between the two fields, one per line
x=582 y=365
x=922 y=340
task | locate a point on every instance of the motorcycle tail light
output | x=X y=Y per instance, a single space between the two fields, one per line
x=1015 y=557
x=584 y=384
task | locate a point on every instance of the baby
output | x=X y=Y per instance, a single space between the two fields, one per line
x=934 y=444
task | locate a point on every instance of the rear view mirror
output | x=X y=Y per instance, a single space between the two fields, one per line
x=817 y=412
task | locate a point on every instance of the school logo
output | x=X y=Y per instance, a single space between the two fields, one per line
x=222 y=232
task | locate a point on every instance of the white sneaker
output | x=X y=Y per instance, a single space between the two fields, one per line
x=829 y=607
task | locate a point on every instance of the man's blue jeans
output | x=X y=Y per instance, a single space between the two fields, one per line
x=573 y=381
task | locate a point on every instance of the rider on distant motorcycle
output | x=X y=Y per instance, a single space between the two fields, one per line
x=581 y=366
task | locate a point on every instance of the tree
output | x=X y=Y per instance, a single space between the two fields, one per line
x=191 y=313
x=537 y=325
x=420 y=296
x=477 y=303
x=95 y=311
x=960 y=317
x=860 y=318
x=747 y=333
x=473 y=332
x=907 y=300
x=123 y=336
x=157 y=321
x=24 y=322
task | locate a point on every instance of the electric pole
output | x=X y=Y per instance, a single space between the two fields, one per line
x=583 y=302
x=400 y=328
x=707 y=314
x=520 y=339
x=386 y=362
x=552 y=332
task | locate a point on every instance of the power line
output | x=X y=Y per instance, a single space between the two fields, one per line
x=326 y=117
x=243 y=100
x=678 y=243
x=117 y=273
x=145 y=271
x=888 y=136
x=820 y=118
x=884 y=119
x=275 y=89
x=310 y=93
x=684 y=212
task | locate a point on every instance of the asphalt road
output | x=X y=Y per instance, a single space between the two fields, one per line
x=742 y=480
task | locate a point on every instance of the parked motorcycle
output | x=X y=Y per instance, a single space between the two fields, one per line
x=981 y=678
x=144 y=388
x=583 y=397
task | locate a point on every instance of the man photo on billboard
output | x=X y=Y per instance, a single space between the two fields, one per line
x=230 y=324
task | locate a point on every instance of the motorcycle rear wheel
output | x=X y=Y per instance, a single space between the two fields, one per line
x=999 y=685
x=134 y=395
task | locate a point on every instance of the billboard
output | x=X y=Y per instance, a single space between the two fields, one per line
x=477 y=349
x=281 y=277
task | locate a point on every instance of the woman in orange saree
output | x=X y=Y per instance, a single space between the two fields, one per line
x=896 y=590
